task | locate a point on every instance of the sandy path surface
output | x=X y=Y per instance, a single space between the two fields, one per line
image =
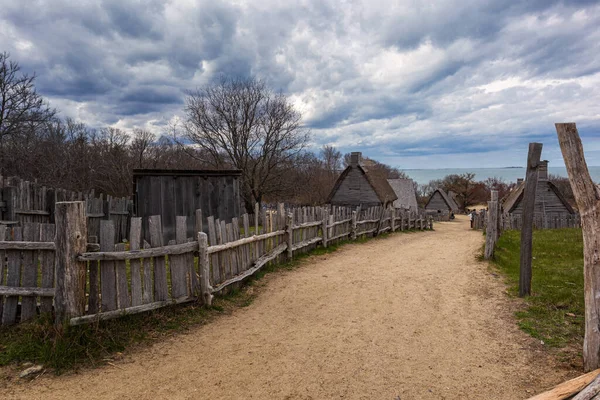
x=411 y=316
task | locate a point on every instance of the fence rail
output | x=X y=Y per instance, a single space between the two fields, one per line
x=24 y=202
x=514 y=221
x=136 y=276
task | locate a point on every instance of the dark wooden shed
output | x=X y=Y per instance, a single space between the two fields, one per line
x=439 y=201
x=358 y=186
x=172 y=193
x=549 y=201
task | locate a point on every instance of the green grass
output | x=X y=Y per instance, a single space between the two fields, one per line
x=95 y=344
x=554 y=312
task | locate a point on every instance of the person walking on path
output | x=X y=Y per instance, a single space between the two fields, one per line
x=472 y=218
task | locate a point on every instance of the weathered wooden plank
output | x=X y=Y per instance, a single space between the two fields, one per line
x=290 y=236
x=161 y=290
x=309 y=242
x=204 y=267
x=108 y=280
x=123 y=300
x=135 y=265
x=226 y=256
x=26 y=291
x=3 y=230
x=29 y=272
x=567 y=389
x=177 y=263
x=70 y=274
x=128 y=311
x=257 y=265
x=148 y=290
x=212 y=237
x=232 y=252
x=13 y=279
x=227 y=246
x=25 y=245
x=145 y=253
x=531 y=180
x=93 y=274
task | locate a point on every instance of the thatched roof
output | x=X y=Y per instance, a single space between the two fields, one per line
x=511 y=201
x=378 y=182
x=405 y=190
x=447 y=199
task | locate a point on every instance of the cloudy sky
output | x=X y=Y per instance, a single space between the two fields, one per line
x=416 y=84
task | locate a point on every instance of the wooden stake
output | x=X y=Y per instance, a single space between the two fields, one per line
x=587 y=196
x=531 y=178
x=289 y=235
x=69 y=275
x=204 y=267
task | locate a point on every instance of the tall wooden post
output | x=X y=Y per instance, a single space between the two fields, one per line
x=204 y=268
x=324 y=226
x=587 y=196
x=531 y=178
x=353 y=226
x=289 y=236
x=393 y=218
x=69 y=273
x=492 y=226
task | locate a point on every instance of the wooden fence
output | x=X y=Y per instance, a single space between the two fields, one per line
x=514 y=221
x=111 y=279
x=24 y=202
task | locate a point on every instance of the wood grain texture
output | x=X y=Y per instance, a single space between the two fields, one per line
x=70 y=273
x=587 y=196
x=533 y=160
x=161 y=290
x=108 y=279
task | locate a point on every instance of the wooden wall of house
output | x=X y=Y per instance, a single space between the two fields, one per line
x=546 y=201
x=437 y=202
x=171 y=195
x=355 y=190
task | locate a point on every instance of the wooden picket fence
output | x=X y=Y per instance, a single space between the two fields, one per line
x=55 y=268
x=24 y=202
x=514 y=221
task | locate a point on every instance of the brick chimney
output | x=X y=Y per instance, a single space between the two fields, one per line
x=543 y=171
x=355 y=158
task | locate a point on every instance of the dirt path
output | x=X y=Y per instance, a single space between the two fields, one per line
x=412 y=316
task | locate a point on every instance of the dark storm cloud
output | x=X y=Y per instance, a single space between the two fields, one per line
x=402 y=79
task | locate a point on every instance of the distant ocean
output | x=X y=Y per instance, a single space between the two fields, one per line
x=507 y=174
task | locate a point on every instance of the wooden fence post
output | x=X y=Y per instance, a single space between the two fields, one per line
x=204 y=268
x=324 y=226
x=492 y=226
x=531 y=178
x=289 y=236
x=69 y=273
x=353 y=226
x=587 y=196
x=392 y=219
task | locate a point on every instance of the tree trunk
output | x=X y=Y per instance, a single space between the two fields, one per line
x=587 y=197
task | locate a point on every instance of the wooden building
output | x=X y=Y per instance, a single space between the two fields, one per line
x=405 y=191
x=171 y=193
x=440 y=202
x=549 y=201
x=359 y=186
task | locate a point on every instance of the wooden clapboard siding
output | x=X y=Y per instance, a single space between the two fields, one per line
x=171 y=193
x=547 y=201
x=354 y=189
x=437 y=202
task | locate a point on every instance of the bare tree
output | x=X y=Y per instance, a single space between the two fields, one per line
x=22 y=109
x=140 y=146
x=241 y=123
